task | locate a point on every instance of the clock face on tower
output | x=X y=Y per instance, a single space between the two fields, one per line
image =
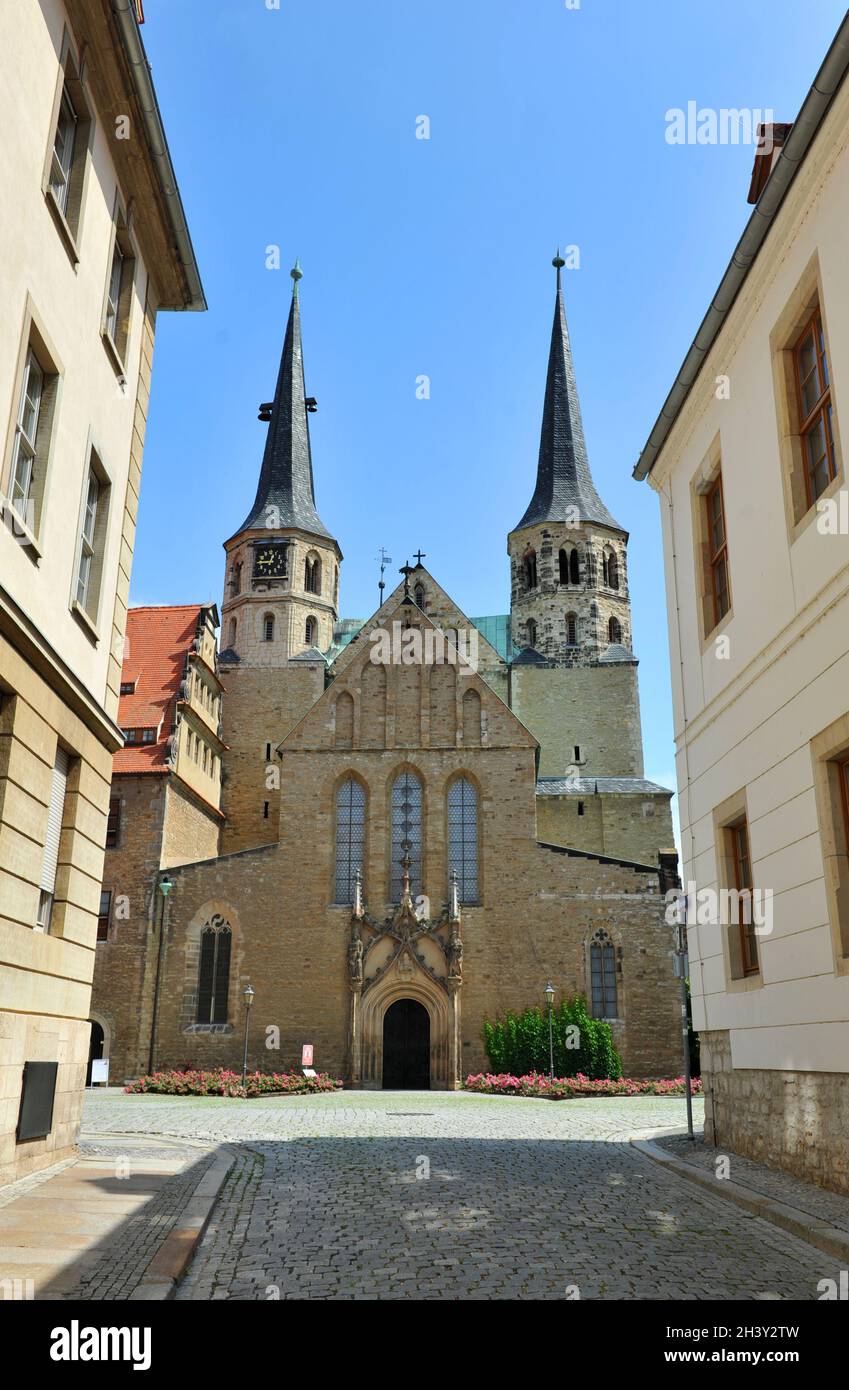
x=270 y=562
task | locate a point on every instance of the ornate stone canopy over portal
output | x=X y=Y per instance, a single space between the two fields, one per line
x=407 y=956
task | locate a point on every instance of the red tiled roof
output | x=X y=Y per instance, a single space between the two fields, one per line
x=155 y=658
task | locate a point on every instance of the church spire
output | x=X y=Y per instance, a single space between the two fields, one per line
x=563 y=471
x=285 y=496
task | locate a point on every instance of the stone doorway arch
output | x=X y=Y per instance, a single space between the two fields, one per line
x=443 y=1029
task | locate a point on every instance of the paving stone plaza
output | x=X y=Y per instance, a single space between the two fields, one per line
x=422 y=1195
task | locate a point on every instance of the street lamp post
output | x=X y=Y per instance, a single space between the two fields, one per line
x=549 y=994
x=249 y=999
x=165 y=886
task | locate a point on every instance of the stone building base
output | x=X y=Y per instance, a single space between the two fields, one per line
x=795 y=1120
x=40 y=1038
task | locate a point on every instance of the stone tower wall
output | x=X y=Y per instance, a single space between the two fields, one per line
x=550 y=600
x=595 y=707
x=287 y=600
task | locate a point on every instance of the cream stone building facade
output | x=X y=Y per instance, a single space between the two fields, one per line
x=749 y=462
x=394 y=866
x=93 y=244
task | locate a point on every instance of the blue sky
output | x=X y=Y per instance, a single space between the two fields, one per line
x=296 y=127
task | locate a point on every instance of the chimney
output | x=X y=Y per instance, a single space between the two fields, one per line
x=770 y=139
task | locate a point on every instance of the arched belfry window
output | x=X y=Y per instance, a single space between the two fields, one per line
x=529 y=566
x=214 y=971
x=350 y=837
x=571 y=630
x=463 y=838
x=406 y=837
x=610 y=569
x=563 y=563
x=603 y=976
x=575 y=568
x=312 y=574
x=614 y=630
x=311 y=632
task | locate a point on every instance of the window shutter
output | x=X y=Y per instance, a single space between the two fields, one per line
x=54 y=821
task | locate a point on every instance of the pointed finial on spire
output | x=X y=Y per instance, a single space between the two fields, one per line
x=296 y=274
x=558 y=262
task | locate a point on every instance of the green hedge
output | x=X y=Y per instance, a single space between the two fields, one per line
x=519 y=1043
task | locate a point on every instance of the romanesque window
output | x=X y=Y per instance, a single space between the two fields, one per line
x=350 y=837
x=603 y=976
x=614 y=630
x=571 y=630
x=214 y=972
x=463 y=838
x=310 y=632
x=610 y=569
x=268 y=628
x=406 y=834
x=312 y=574
x=529 y=565
x=574 y=568
x=531 y=630
x=563 y=562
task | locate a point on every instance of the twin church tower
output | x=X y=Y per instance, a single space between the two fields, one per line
x=562 y=659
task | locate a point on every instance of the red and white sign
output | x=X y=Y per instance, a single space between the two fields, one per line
x=306 y=1055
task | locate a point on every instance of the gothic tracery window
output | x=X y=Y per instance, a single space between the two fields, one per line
x=463 y=838
x=214 y=971
x=350 y=837
x=603 y=976
x=406 y=834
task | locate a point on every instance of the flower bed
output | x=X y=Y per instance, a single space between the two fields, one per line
x=229 y=1083
x=566 y=1087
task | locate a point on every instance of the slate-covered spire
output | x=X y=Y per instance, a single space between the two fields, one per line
x=285 y=480
x=563 y=472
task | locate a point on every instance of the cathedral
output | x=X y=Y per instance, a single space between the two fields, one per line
x=379 y=834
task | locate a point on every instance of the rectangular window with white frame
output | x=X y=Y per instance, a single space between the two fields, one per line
x=50 y=856
x=91 y=541
x=119 y=289
x=67 y=156
x=30 y=435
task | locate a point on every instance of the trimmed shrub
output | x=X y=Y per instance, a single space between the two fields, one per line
x=564 y=1087
x=229 y=1083
x=518 y=1044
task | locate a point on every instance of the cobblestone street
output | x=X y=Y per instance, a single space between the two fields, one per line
x=432 y=1195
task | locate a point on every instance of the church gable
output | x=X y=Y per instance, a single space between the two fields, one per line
x=439 y=608
x=418 y=692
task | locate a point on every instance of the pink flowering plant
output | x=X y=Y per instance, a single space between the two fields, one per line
x=566 y=1087
x=220 y=1082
